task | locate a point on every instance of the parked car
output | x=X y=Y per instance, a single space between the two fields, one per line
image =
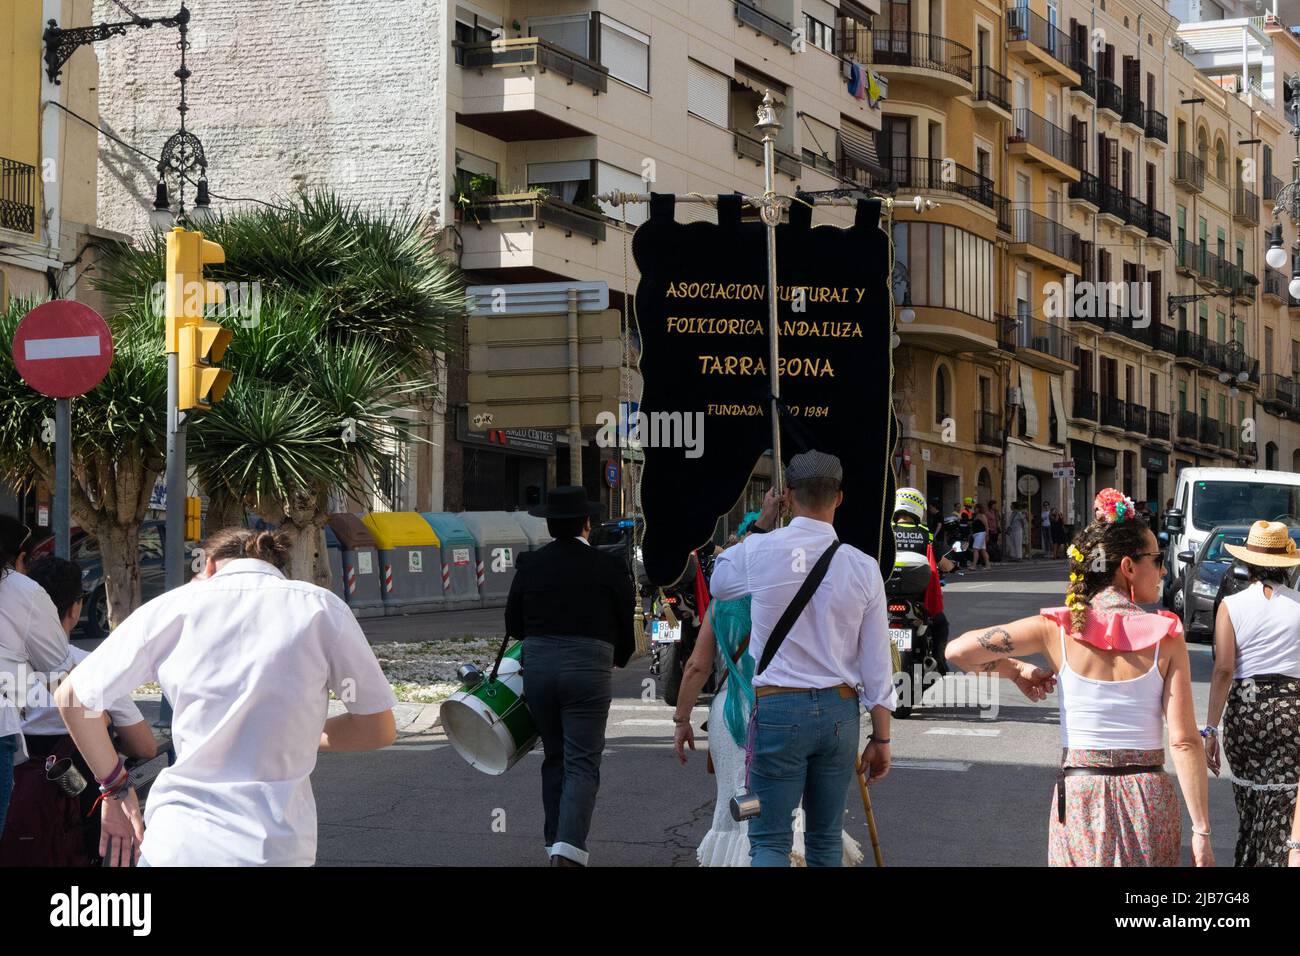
x=85 y=551
x=1206 y=579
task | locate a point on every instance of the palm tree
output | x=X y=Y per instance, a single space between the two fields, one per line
x=353 y=308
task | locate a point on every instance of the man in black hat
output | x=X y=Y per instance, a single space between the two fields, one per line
x=573 y=606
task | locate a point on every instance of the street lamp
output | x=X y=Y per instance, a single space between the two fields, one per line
x=1288 y=197
x=182 y=157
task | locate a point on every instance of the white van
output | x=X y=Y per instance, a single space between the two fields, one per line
x=1206 y=497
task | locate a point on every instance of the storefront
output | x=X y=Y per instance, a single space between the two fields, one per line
x=1155 y=462
x=503 y=469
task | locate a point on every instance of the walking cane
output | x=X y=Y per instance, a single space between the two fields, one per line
x=871 y=817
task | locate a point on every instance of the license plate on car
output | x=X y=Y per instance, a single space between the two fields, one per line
x=661 y=633
x=902 y=637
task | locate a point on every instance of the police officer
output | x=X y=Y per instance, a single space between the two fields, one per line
x=912 y=537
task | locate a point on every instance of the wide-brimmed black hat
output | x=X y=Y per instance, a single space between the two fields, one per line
x=567 y=501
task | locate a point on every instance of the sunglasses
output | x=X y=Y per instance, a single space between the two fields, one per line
x=1158 y=555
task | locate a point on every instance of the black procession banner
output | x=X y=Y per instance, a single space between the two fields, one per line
x=701 y=310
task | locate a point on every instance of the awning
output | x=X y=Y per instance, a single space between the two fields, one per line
x=753 y=80
x=859 y=144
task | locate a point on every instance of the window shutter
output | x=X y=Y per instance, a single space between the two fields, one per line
x=707 y=93
x=611 y=177
x=1027 y=401
x=625 y=52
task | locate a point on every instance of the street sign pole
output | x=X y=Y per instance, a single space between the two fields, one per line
x=63 y=477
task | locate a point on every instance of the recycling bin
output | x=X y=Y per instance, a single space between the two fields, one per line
x=500 y=541
x=334 y=551
x=410 y=559
x=360 y=558
x=534 y=529
x=459 y=559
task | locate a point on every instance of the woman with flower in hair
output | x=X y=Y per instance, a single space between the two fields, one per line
x=1124 y=676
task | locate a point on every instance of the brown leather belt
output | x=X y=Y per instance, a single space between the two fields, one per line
x=845 y=690
x=1120 y=771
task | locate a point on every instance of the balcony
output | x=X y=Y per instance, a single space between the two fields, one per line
x=1238 y=363
x=1087 y=190
x=529 y=230
x=1158 y=425
x=1135 y=113
x=1191 y=349
x=1034 y=40
x=1245 y=206
x=1189 y=172
x=1161 y=337
x=934 y=61
x=927 y=174
x=1110 y=97
x=765 y=24
x=1157 y=126
x=526 y=88
x=1136 y=421
x=1275 y=284
x=1040 y=141
x=988 y=429
x=1114 y=413
x=1114 y=204
x=1187 y=430
x=1003 y=207
x=1007 y=326
x=992 y=89
x=1280 y=393
x=17 y=196
x=1159 y=226
x=1136 y=214
x=1272 y=188
x=1246 y=288
x=1043 y=343
x=1085 y=405
x=1191 y=259
x=948 y=330
x=1049 y=242
x=1210 y=432
x=1087 y=85
x=751 y=148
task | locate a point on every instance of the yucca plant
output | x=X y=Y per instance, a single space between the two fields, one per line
x=353 y=307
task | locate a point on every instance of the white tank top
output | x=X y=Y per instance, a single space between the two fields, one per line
x=1267 y=629
x=1111 y=715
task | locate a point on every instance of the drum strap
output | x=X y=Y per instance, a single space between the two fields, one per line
x=496 y=666
x=800 y=601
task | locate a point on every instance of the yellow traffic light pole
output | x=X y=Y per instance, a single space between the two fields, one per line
x=192 y=345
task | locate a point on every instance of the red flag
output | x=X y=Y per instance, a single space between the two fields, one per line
x=701 y=589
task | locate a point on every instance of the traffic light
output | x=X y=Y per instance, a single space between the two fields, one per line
x=198 y=342
x=193 y=519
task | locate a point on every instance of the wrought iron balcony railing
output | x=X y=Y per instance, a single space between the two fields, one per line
x=1189 y=171
x=1087 y=189
x=1157 y=126
x=1085 y=404
x=1039 y=231
x=1210 y=432
x=1272 y=186
x=1137 y=419
x=993 y=87
x=17 y=196
x=1032 y=333
x=921 y=50
x=988 y=428
x=1187 y=427
x=1087 y=78
x=1114 y=411
x=1135 y=111
x=1110 y=96
x=922 y=172
x=1245 y=206
x=1280 y=391
x=1158 y=425
x=1003 y=207
x=1159 y=225
x=1025 y=24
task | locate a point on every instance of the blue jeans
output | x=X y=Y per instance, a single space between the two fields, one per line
x=805 y=746
x=8 y=744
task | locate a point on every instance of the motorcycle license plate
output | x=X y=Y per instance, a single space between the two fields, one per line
x=661 y=633
x=902 y=637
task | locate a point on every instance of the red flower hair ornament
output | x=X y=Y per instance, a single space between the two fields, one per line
x=1113 y=506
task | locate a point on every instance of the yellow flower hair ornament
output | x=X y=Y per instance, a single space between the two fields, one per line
x=1076 y=554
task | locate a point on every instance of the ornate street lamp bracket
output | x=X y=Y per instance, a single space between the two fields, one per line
x=61 y=43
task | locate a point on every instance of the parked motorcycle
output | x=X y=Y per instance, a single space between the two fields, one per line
x=672 y=623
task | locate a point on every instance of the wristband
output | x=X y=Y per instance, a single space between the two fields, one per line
x=1209 y=730
x=1203 y=833
x=879 y=740
x=112 y=776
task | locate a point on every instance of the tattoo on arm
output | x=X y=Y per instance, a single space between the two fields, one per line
x=996 y=640
x=990 y=667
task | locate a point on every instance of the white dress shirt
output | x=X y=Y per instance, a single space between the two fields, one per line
x=842 y=636
x=31 y=636
x=42 y=718
x=247 y=659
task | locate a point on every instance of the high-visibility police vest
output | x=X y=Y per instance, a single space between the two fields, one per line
x=915 y=538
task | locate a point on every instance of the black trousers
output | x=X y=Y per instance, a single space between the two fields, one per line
x=568 y=689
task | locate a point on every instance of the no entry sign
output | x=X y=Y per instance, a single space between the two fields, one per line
x=63 y=348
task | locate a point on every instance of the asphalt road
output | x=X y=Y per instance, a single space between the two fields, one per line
x=967 y=788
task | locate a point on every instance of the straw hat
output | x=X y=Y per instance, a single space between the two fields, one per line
x=1269 y=545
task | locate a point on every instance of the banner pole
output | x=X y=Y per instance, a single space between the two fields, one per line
x=769 y=124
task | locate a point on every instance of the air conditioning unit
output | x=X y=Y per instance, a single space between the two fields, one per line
x=1013 y=395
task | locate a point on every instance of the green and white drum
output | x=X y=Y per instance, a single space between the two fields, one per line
x=488 y=724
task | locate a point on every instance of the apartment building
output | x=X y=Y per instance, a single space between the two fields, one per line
x=1119 y=425
x=47 y=174
x=573 y=100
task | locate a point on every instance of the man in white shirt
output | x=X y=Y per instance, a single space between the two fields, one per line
x=806 y=719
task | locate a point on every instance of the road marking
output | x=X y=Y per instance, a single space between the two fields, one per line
x=959 y=766
x=77 y=346
x=643 y=722
x=1009 y=585
x=964 y=732
x=416 y=746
